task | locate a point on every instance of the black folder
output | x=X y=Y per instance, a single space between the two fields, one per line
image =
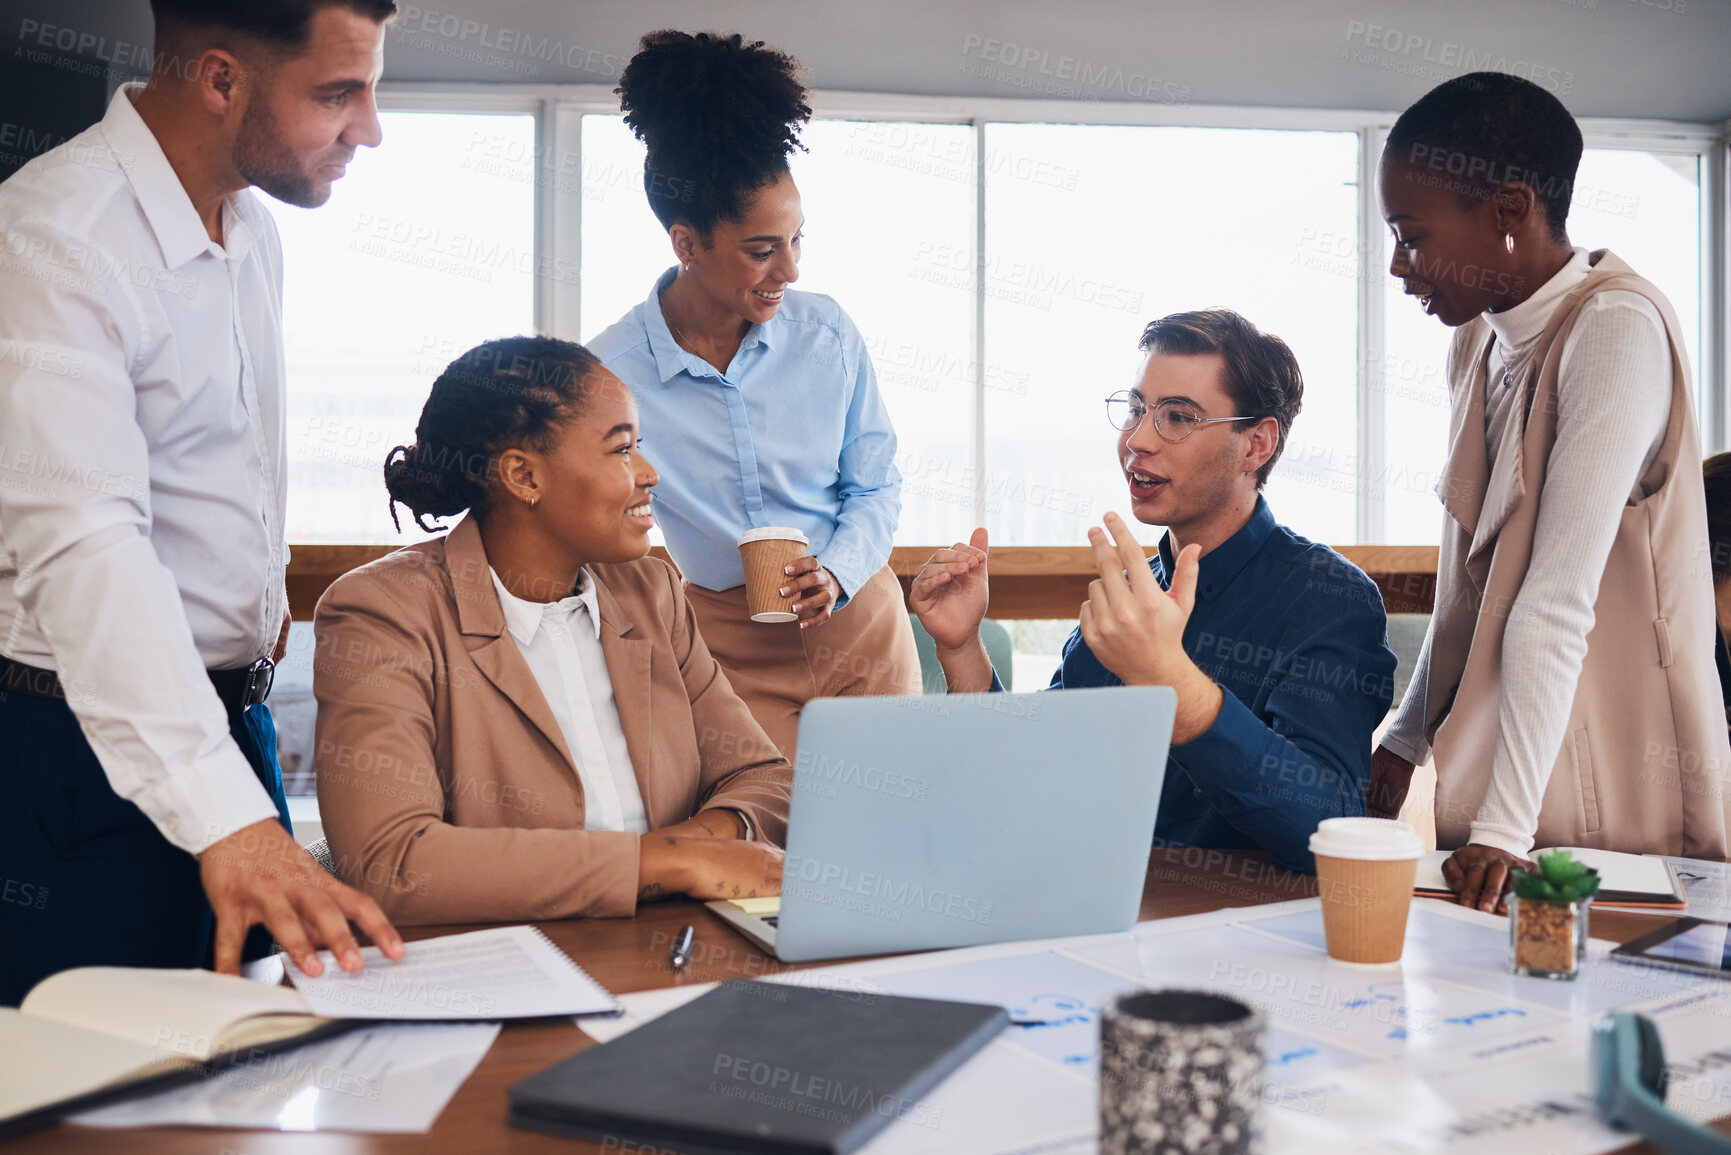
x=756 y=1066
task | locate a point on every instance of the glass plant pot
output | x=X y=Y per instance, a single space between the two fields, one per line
x=1547 y=940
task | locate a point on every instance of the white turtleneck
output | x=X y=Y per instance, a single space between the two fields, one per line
x=1614 y=401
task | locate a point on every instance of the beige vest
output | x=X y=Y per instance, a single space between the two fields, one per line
x=1644 y=763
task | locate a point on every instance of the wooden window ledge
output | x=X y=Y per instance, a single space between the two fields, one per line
x=1028 y=581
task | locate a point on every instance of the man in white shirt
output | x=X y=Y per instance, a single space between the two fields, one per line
x=142 y=501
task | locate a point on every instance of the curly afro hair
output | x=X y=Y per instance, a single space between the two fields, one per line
x=720 y=117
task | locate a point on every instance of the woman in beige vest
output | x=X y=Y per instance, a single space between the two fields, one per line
x=1566 y=684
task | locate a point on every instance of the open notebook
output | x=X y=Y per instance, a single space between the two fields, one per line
x=1642 y=880
x=84 y=1034
x=85 y=1031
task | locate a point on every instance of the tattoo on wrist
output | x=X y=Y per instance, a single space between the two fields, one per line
x=650 y=890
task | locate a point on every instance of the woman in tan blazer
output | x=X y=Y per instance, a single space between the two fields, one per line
x=519 y=720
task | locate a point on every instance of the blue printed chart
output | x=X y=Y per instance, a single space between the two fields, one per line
x=1444 y=1051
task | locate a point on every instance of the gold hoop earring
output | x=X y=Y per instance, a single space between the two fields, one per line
x=1509 y=243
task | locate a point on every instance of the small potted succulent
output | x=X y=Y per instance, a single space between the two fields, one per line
x=1548 y=917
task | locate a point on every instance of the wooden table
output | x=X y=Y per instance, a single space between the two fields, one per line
x=631 y=955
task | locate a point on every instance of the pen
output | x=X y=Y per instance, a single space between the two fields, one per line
x=681 y=952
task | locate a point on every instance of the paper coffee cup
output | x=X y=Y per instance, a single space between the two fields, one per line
x=1364 y=871
x=765 y=554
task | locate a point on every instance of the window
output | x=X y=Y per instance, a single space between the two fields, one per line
x=1132 y=224
x=426 y=247
x=993 y=364
x=1088 y=237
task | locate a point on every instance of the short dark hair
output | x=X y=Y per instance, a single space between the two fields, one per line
x=1479 y=131
x=283 y=25
x=1716 y=477
x=1262 y=376
x=511 y=392
x=720 y=117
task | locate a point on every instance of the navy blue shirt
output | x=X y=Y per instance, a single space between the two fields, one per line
x=1297 y=637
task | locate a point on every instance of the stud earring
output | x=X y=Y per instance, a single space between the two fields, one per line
x=1509 y=243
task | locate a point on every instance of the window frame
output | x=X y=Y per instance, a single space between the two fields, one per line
x=559 y=109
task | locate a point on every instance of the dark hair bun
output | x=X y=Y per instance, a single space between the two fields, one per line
x=720 y=117
x=510 y=392
x=429 y=483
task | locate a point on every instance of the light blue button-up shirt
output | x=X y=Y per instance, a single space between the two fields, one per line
x=794 y=433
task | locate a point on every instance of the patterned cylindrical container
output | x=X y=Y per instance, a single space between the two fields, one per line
x=1180 y=1074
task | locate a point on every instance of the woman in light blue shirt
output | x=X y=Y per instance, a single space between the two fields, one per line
x=761 y=400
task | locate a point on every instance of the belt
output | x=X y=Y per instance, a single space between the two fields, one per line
x=238 y=689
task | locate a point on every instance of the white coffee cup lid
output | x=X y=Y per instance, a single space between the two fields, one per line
x=773 y=533
x=1374 y=839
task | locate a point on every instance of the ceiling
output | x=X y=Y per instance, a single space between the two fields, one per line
x=1605 y=58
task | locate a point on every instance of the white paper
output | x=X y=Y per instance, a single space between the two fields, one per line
x=1057 y=998
x=1444 y=1051
x=641 y=1007
x=1694 y=1029
x=965 y=1114
x=1707 y=886
x=394 y=1077
x=504 y=973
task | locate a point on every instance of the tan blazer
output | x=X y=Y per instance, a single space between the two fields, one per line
x=444 y=783
x=1643 y=765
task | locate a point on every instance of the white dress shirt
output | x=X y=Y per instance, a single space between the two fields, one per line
x=1613 y=404
x=561 y=641
x=142 y=442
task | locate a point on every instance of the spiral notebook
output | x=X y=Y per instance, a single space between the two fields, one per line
x=512 y=972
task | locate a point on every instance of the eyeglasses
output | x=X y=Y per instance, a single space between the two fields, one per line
x=1173 y=420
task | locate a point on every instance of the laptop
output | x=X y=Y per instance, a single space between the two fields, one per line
x=921 y=823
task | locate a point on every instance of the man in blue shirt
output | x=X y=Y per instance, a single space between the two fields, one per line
x=1277 y=647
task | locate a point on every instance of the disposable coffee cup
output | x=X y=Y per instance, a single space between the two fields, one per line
x=765 y=554
x=1364 y=872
